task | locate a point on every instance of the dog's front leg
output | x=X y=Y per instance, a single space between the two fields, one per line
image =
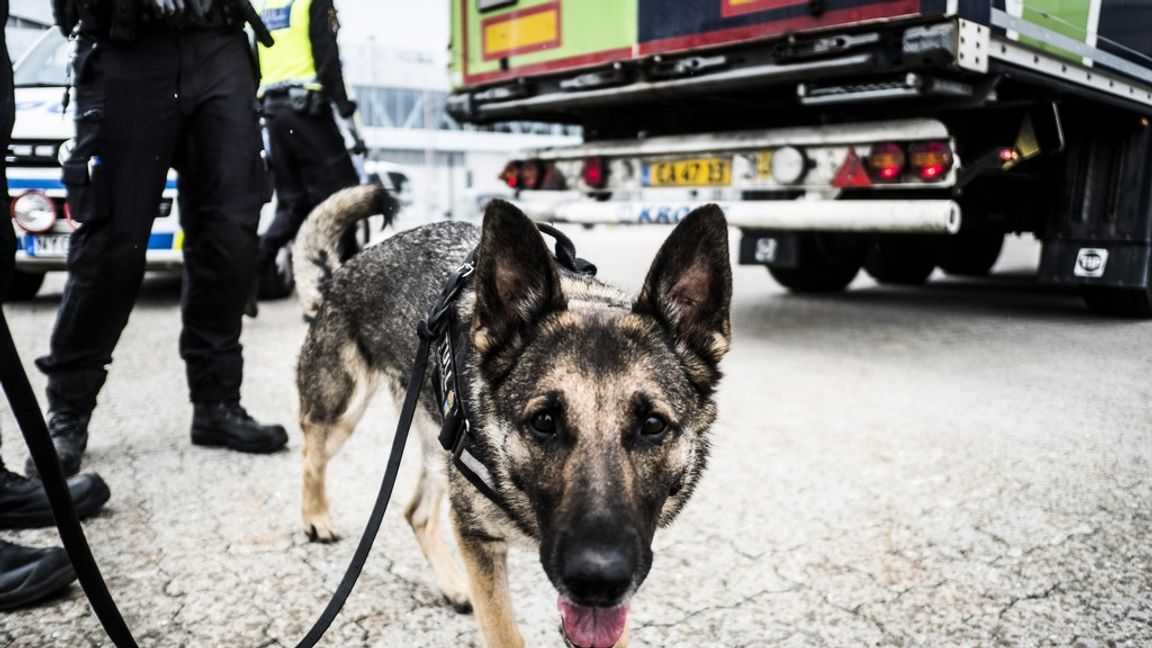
x=486 y=561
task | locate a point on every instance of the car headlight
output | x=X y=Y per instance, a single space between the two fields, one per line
x=34 y=211
x=65 y=151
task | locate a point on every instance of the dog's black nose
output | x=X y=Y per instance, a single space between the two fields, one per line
x=598 y=575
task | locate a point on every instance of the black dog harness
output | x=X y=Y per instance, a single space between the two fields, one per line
x=452 y=346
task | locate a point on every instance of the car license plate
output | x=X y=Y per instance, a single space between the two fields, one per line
x=51 y=245
x=698 y=172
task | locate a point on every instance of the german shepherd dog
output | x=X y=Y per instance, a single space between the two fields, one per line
x=591 y=410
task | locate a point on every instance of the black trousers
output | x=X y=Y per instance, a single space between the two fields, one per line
x=309 y=163
x=7 y=116
x=181 y=99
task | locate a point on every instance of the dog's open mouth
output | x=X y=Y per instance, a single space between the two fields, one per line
x=592 y=627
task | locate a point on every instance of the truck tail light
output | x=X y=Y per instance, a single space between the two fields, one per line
x=851 y=172
x=511 y=175
x=930 y=160
x=595 y=174
x=530 y=174
x=886 y=161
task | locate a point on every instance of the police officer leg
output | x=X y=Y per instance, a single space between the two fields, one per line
x=126 y=127
x=7 y=233
x=329 y=167
x=222 y=179
x=292 y=206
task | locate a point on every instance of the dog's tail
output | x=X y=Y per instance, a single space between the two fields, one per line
x=316 y=253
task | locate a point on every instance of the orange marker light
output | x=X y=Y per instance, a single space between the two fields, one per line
x=930 y=160
x=886 y=161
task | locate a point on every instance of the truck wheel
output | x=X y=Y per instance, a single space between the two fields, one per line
x=24 y=286
x=1118 y=302
x=827 y=263
x=278 y=281
x=971 y=254
x=903 y=259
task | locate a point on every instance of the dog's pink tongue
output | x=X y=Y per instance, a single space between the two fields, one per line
x=593 y=627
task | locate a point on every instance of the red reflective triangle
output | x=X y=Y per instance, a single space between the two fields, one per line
x=851 y=173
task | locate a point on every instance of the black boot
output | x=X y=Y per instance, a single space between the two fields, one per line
x=28 y=575
x=69 y=432
x=24 y=503
x=225 y=423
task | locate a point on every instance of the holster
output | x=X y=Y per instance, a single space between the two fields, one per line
x=299 y=99
x=308 y=102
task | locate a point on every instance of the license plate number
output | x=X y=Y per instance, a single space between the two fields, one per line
x=699 y=172
x=51 y=245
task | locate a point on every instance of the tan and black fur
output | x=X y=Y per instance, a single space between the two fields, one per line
x=592 y=409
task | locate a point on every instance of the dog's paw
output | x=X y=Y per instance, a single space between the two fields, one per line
x=321 y=532
x=459 y=602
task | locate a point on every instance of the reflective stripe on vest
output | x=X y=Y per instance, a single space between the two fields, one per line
x=289 y=62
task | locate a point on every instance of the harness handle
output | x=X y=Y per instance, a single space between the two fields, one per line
x=566 y=252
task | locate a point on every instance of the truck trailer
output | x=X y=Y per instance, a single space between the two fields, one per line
x=897 y=136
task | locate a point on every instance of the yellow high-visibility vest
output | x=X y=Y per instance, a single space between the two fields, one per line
x=289 y=62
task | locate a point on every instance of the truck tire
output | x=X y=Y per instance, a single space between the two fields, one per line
x=278 y=281
x=24 y=285
x=903 y=259
x=971 y=254
x=1118 y=302
x=827 y=263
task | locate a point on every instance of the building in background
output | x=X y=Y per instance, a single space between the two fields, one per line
x=26 y=20
x=453 y=169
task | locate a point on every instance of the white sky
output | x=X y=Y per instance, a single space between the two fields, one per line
x=407 y=24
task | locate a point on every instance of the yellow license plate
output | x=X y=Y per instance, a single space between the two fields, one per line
x=764 y=164
x=700 y=172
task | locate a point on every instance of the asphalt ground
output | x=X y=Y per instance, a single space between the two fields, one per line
x=962 y=464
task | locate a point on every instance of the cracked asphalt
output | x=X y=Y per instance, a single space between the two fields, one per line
x=962 y=464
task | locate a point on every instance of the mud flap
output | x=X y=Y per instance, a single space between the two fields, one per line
x=1085 y=262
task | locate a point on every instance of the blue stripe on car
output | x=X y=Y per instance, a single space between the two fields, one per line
x=161 y=241
x=36 y=183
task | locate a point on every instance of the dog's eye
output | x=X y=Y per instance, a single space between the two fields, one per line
x=543 y=423
x=653 y=426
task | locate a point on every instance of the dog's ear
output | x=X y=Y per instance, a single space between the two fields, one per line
x=689 y=286
x=516 y=278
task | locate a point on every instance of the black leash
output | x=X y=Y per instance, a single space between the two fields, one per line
x=27 y=411
x=411 y=400
x=31 y=422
